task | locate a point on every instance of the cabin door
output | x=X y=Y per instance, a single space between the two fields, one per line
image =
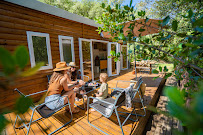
x=114 y=66
x=86 y=59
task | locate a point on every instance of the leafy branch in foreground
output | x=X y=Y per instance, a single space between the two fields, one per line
x=191 y=116
x=13 y=67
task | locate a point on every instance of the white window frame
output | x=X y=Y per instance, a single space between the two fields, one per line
x=81 y=57
x=31 y=50
x=60 y=37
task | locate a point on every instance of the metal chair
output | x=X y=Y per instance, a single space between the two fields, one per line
x=43 y=110
x=106 y=107
x=136 y=90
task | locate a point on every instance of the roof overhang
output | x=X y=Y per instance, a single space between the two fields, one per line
x=39 y=6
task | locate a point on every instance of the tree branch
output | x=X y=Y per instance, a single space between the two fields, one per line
x=182 y=61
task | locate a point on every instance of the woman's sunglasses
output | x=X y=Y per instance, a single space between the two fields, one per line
x=73 y=67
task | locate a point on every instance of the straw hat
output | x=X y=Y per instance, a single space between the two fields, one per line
x=72 y=64
x=61 y=66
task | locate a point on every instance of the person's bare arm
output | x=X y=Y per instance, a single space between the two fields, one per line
x=69 y=80
x=65 y=85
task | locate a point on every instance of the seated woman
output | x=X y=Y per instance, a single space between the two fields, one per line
x=57 y=83
x=73 y=76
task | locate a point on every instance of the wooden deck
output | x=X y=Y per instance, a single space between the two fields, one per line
x=79 y=125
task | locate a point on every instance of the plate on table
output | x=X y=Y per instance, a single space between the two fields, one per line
x=93 y=84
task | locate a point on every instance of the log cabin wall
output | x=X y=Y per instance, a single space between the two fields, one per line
x=15 y=20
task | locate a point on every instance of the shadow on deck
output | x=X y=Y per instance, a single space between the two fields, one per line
x=79 y=125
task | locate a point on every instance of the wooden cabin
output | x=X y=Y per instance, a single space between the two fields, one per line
x=52 y=35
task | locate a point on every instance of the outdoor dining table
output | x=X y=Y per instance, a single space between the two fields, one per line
x=88 y=89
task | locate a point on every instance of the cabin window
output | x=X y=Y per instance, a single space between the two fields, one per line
x=39 y=49
x=66 y=48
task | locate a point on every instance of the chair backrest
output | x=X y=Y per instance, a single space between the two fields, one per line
x=49 y=77
x=136 y=87
x=120 y=99
x=138 y=82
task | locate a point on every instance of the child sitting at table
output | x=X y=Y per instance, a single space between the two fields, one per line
x=103 y=91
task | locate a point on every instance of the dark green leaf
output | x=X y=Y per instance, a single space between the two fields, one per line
x=23 y=104
x=190 y=13
x=146 y=20
x=21 y=56
x=141 y=30
x=103 y=5
x=126 y=7
x=108 y=8
x=116 y=6
x=153 y=51
x=155 y=77
x=7 y=61
x=33 y=70
x=198 y=102
x=165 y=69
x=160 y=68
x=143 y=13
x=198 y=22
x=198 y=42
x=155 y=71
x=174 y=25
x=131 y=1
x=139 y=13
x=3 y=122
x=199 y=29
x=168 y=75
x=196 y=52
x=166 y=20
x=175 y=95
x=182 y=34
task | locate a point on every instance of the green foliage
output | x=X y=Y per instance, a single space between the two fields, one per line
x=21 y=56
x=3 y=122
x=33 y=70
x=13 y=65
x=155 y=71
x=86 y=8
x=166 y=20
x=115 y=56
x=22 y=104
x=175 y=25
x=191 y=116
x=7 y=61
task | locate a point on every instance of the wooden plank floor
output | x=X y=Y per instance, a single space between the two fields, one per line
x=80 y=126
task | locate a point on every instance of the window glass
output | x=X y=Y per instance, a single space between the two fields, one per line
x=40 y=49
x=67 y=52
